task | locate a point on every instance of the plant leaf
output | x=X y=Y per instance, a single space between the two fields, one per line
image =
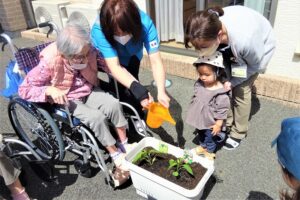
x=175 y=173
x=162 y=147
x=172 y=163
x=188 y=168
x=139 y=157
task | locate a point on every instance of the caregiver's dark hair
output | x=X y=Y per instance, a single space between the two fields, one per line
x=122 y=14
x=203 y=25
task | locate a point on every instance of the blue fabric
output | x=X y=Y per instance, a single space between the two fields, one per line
x=149 y=40
x=12 y=81
x=208 y=141
x=288 y=146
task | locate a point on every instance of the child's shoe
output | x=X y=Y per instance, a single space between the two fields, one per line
x=201 y=151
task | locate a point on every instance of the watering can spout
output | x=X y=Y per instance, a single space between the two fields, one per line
x=169 y=118
x=157 y=114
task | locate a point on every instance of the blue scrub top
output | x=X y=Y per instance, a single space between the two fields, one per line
x=149 y=39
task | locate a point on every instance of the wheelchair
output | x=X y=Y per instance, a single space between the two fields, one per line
x=47 y=132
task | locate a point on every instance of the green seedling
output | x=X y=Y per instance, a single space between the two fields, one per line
x=178 y=166
x=148 y=155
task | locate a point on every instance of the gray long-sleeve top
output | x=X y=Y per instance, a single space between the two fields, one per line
x=251 y=39
x=207 y=106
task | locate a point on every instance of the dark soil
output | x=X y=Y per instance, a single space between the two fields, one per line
x=186 y=180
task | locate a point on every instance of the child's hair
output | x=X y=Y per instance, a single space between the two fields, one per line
x=285 y=194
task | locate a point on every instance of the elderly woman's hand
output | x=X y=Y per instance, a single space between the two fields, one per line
x=57 y=95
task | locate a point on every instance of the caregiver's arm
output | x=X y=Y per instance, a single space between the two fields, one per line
x=159 y=76
x=119 y=72
x=126 y=79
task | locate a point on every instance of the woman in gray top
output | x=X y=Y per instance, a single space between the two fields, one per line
x=247 y=42
x=210 y=103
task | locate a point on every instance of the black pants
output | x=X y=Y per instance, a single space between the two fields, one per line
x=125 y=94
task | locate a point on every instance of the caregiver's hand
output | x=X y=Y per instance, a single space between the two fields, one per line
x=163 y=99
x=227 y=85
x=146 y=102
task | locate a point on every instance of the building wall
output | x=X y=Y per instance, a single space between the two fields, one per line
x=287 y=29
x=11 y=15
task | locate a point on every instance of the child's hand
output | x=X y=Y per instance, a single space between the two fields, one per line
x=216 y=129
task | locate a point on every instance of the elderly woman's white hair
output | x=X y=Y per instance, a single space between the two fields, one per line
x=72 y=38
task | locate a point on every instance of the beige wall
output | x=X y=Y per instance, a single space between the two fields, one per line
x=287 y=29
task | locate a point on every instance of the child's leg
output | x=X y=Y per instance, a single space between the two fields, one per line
x=209 y=142
x=201 y=136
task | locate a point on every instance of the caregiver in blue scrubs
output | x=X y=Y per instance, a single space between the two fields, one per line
x=120 y=35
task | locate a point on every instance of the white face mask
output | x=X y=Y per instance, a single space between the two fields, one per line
x=79 y=66
x=209 y=50
x=123 y=39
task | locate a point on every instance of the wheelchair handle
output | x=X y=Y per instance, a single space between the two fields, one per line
x=44 y=24
x=5 y=39
x=52 y=27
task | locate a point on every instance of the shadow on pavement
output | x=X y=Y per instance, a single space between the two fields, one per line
x=255 y=104
x=51 y=189
x=254 y=195
x=210 y=184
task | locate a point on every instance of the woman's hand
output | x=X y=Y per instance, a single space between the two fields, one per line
x=227 y=85
x=163 y=99
x=57 y=95
x=146 y=102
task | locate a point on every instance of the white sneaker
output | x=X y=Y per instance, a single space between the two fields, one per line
x=119 y=161
x=126 y=148
x=129 y=147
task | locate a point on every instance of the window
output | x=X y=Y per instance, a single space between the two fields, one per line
x=167 y=15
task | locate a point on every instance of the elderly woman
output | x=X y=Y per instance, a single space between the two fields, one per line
x=67 y=74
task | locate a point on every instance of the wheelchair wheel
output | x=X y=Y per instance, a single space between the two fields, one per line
x=34 y=126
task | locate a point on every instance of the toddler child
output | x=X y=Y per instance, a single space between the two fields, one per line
x=209 y=105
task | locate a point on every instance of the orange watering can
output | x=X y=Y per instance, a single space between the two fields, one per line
x=157 y=114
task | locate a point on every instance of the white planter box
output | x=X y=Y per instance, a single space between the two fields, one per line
x=148 y=184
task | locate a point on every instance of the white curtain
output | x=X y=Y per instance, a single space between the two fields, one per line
x=169 y=19
x=258 y=5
